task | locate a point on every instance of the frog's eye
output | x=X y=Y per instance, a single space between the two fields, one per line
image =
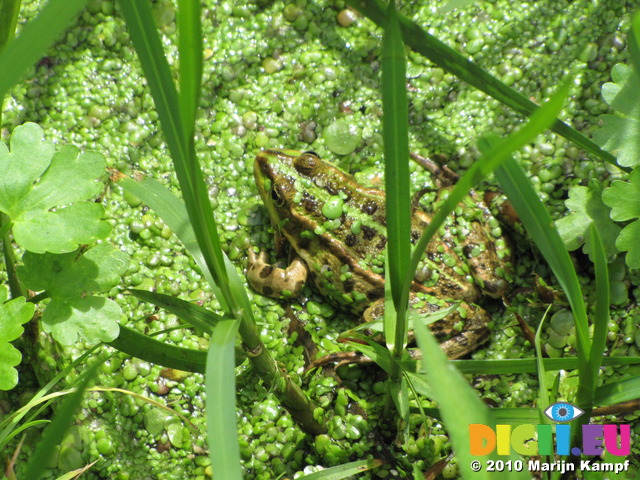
x=306 y=163
x=277 y=198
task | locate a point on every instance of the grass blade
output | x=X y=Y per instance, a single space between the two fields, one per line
x=528 y=365
x=34 y=40
x=147 y=348
x=455 y=63
x=634 y=42
x=173 y=212
x=144 y=35
x=190 y=67
x=458 y=403
x=601 y=315
x=188 y=312
x=220 y=384
x=9 y=10
x=616 y=392
x=395 y=129
x=537 y=123
x=541 y=228
x=344 y=470
x=55 y=431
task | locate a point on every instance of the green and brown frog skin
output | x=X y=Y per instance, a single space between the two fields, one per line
x=337 y=230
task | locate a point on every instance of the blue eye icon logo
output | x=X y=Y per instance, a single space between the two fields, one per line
x=563 y=412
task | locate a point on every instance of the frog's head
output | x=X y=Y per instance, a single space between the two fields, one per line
x=279 y=177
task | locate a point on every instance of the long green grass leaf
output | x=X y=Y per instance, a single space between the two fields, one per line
x=191 y=313
x=459 y=405
x=601 y=315
x=616 y=392
x=395 y=132
x=343 y=471
x=173 y=213
x=541 y=228
x=144 y=35
x=190 y=67
x=151 y=350
x=634 y=42
x=528 y=365
x=463 y=68
x=54 y=433
x=9 y=422
x=220 y=383
x=9 y=10
x=34 y=40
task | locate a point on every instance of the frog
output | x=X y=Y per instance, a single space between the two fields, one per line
x=334 y=230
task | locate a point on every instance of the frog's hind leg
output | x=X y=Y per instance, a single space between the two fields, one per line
x=276 y=282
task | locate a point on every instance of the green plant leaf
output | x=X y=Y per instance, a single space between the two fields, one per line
x=634 y=42
x=34 y=179
x=621 y=135
x=151 y=350
x=54 y=433
x=221 y=401
x=624 y=200
x=34 y=40
x=345 y=470
x=463 y=68
x=68 y=280
x=458 y=403
x=13 y=314
x=601 y=315
x=586 y=207
x=540 y=227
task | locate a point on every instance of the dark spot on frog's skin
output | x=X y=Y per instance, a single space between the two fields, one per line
x=268 y=291
x=375 y=294
x=309 y=202
x=367 y=232
x=332 y=188
x=266 y=271
x=369 y=207
x=382 y=242
x=304 y=243
x=467 y=249
x=351 y=240
x=349 y=285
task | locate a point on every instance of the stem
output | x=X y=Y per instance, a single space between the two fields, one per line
x=290 y=395
x=9 y=257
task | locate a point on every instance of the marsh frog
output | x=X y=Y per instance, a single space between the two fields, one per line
x=336 y=230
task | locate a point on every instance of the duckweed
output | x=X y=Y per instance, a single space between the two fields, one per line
x=329 y=84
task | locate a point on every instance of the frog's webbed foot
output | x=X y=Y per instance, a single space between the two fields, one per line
x=276 y=282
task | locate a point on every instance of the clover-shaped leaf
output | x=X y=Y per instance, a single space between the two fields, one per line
x=44 y=193
x=68 y=279
x=586 y=207
x=12 y=315
x=620 y=135
x=624 y=200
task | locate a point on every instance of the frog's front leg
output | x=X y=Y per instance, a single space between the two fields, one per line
x=276 y=282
